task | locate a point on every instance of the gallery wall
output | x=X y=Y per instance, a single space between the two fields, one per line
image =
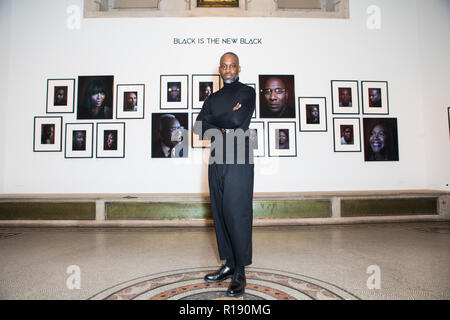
x=435 y=77
x=45 y=43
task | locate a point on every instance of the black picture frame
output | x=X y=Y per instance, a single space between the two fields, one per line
x=261 y=138
x=117 y=149
x=382 y=88
x=282 y=125
x=196 y=100
x=121 y=90
x=52 y=105
x=304 y=124
x=339 y=144
x=183 y=104
x=88 y=153
x=448 y=113
x=196 y=142
x=336 y=86
x=255 y=112
x=40 y=143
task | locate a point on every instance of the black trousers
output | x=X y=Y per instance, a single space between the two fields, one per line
x=231 y=193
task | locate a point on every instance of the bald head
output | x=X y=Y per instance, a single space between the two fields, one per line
x=229 y=67
x=232 y=54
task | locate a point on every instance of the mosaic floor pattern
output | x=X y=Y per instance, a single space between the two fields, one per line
x=188 y=284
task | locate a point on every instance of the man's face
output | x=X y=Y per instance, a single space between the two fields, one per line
x=348 y=133
x=275 y=101
x=314 y=112
x=60 y=94
x=207 y=91
x=174 y=92
x=377 y=138
x=172 y=133
x=131 y=100
x=375 y=97
x=229 y=68
x=345 y=96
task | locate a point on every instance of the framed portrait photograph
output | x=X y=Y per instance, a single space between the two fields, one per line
x=60 y=95
x=380 y=139
x=196 y=141
x=276 y=96
x=253 y=85
x=448 y=111
x=130 y=101
x=170 y=135
x=202 y=86
x=347 y=134
x=110 y=140
x=375 y=97
x=95 y=97
x=257 y=138
x=173 y=92
x=313 y=114
x=47 y=134
x=282 y=139
x=79 y=140
x=217 y=3
x=345 y=96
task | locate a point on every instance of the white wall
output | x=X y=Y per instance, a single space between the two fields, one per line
x=140 y=50
x=5 y=9
x=434 y=44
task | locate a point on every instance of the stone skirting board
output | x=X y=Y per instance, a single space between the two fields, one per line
x=194 y=210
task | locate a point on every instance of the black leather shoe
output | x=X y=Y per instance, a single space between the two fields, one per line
x=222 y=274
x=237 y=286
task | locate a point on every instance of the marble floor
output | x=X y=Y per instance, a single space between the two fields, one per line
x=357 y=261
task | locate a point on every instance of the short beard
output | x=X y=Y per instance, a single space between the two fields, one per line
x=231 y=80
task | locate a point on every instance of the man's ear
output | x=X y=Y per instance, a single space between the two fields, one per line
x=239 y=69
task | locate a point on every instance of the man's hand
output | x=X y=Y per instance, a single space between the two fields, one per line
x=237 y=106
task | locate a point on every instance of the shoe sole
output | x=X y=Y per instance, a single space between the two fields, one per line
x=218 y=281
x=231 y=295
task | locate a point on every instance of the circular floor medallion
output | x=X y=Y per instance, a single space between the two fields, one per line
x=188 y=284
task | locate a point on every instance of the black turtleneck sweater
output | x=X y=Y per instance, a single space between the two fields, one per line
x=217 y=111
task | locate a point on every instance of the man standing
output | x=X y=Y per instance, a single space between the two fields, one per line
x=225 y=118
